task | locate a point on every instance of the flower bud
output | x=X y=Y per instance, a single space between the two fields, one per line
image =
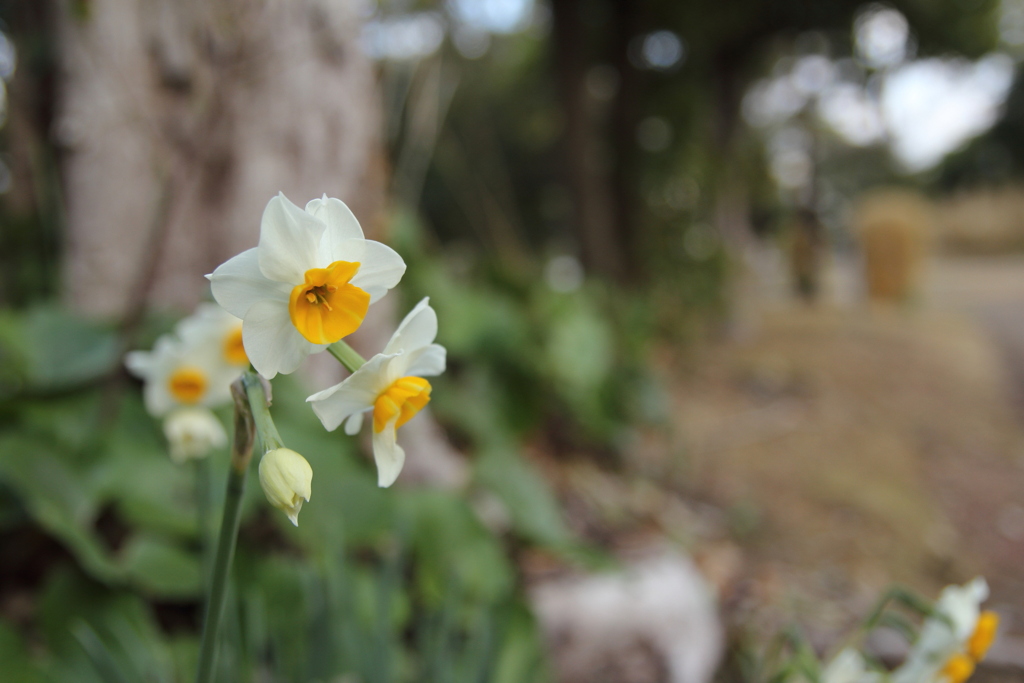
x=192 y=433
x=286 y=478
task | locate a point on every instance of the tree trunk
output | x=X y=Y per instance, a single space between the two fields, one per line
x=593 y=212
x=625 y=116
x=180 y=120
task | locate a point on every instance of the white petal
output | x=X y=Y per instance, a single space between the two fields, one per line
x=208 y=323
x=139 y=363
x=848 y=667
x=157 y=398
x=353 y=424
x=962 y=604
x=288 y=241
x=220 y=377
x=238 y=283
x=357 y=393
x=389 y=455
x=380 y=266
x=153 y=368
x=341 y=225
x=428 y=361
x=193 y=433
x=418 y=329
x=272 y=342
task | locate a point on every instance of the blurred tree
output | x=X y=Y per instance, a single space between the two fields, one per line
x=724 y=51
x=179 y=120
x=995 y=157
x=29 y=210
x=620 y=130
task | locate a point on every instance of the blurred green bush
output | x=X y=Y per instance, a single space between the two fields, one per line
x=103 y=541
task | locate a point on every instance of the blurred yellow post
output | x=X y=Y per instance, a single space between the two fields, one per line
x=894 y=227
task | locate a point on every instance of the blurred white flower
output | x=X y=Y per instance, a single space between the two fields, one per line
x=212 y=326
x=179 y=373
x=286 y=479
x=849 y=667
x=308 y=283
x=391 y=385
x=193 y=433
x=953 y=640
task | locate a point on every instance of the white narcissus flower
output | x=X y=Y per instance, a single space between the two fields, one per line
x=213 y=327
x=953 y=640
x=287 y=480
x=179 y=374
x=193 y=433
x=307 y=284
x=391 y=385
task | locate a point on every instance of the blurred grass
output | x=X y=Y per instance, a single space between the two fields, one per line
x=379 y=585
x=374 y=585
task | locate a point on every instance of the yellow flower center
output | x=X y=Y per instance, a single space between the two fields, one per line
x=234 y=350
x=404 y=398
x=326 y=307
x=984 y=633
x=958 y=668
x=187 y=385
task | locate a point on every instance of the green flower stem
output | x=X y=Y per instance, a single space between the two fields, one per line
x=259 y=404
x=346 y=355
x=250 y=412
x=202 y=472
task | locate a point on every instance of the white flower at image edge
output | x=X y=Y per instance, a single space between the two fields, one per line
x=307 y=284
x=192 y=433
x=953 y=640
x=391 y=385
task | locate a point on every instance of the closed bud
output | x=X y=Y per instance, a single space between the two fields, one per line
x=286 y=479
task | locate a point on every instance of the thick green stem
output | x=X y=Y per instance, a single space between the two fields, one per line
x=250 y=406
x=346 y=355
x=259 y=405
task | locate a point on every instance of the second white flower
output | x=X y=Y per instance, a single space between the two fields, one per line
x=391 y=385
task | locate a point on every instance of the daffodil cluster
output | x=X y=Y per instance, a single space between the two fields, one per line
x=308 y=284
x=187 y=373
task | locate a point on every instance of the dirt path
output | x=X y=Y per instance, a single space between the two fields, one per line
x=986 y=494
x=852 y=447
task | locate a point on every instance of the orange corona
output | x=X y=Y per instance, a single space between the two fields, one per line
x=187 y=385
x=326 y=307
x=234 y=349
x=404 y=398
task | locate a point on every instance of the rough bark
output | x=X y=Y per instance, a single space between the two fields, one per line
x=182 y=118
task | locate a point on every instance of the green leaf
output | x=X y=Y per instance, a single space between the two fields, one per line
x=15 y=662
x=57 y=498
x=533 y=508
x=64 y=350
x=161 y=569
x=521 y=657
x=580 y=348
x=454 y=548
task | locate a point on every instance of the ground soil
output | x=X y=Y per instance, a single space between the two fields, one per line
x=852 y=446
x=814 y=455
